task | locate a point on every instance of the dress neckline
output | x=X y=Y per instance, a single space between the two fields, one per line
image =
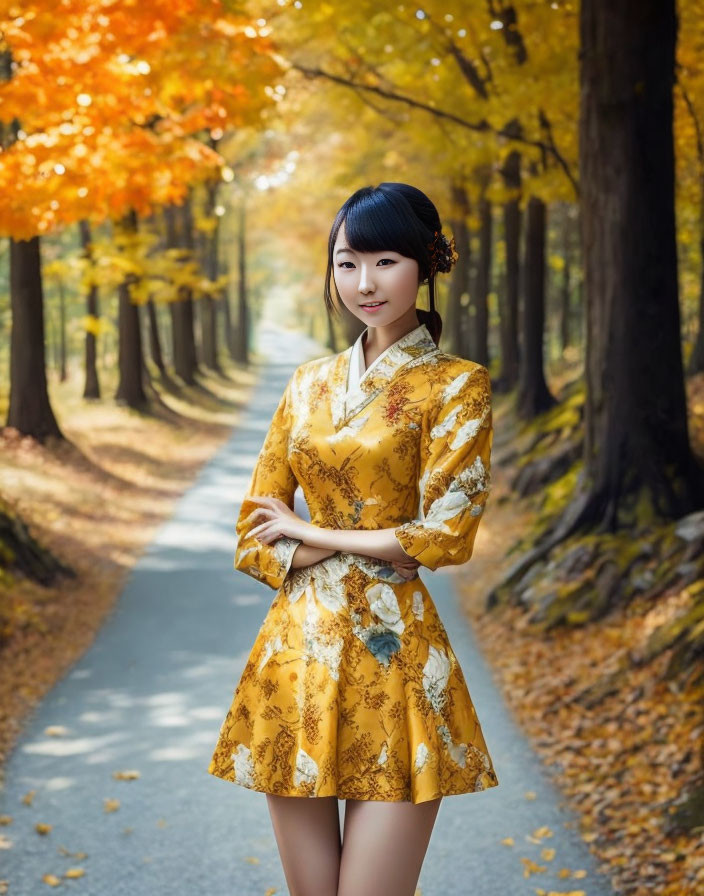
x=356 y=375
x=349 y=398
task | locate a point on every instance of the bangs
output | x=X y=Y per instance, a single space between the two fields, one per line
x=379 y=222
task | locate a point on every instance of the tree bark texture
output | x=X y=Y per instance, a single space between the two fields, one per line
x=636 y=412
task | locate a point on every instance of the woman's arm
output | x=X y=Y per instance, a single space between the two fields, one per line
x=280 y=520
x=380 y=543
x=306 y=555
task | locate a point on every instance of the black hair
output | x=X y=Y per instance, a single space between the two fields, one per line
x=396 y=217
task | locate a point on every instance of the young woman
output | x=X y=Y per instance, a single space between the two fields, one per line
x=352 y=690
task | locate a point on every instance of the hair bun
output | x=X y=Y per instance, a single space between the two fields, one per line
x=443 y=253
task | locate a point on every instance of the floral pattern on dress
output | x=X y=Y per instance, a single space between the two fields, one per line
x=352 y=687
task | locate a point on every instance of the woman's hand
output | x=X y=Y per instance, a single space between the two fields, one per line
x=406 y=569
x=278 y=520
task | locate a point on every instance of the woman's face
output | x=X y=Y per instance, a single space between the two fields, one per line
x=386 y=277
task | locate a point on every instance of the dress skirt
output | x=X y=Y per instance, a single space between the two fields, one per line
x=352 y=690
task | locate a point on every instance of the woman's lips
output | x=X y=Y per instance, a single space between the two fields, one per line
x=371 y=309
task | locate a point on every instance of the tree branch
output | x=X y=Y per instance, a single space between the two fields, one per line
x=482 y=126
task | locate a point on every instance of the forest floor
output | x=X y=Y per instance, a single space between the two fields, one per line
x=95 y=502
x=622 y=761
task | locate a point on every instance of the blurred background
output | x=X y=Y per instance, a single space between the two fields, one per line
x=169 y=172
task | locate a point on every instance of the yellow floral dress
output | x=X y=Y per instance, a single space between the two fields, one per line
x=351 y=688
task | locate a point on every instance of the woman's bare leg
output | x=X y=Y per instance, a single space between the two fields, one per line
x=307 y=831
x=383 y=846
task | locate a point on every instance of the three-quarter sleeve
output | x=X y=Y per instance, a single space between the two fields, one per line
x=454 y=473
x=274 y=477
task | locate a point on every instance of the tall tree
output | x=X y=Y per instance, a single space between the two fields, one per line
x=130 y=388
x=482 y=283
x=508 y=320
x=637 y=442
x=243 y=312
x=210 y=304
x=30 y=410
x=187 y=243
x=91 y=388
x=533 y=393
x=459 y=282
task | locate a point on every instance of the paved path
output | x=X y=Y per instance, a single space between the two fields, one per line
x=150 y=695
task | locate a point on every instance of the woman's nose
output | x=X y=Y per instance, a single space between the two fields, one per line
x=365 y=279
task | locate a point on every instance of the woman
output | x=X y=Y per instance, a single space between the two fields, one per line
x=352 y=690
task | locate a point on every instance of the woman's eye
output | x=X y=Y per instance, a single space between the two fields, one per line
x=343 y=264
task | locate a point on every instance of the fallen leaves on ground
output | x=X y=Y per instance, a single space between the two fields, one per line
x=129 y=775
x=619 y=763
x=74 y=855
x=55 y=731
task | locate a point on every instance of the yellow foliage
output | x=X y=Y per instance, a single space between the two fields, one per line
x=93 y=324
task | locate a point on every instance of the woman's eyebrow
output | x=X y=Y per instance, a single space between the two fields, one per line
x=379 y=252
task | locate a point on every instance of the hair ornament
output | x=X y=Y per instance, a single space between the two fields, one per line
x=443 y=253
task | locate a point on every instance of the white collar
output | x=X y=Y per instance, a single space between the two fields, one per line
x=357 y=371
x=414 y=348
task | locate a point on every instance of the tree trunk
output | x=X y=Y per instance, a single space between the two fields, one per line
x=210 y=304
x=459 y=279
x=187 y=241
x=22 y=553
x=181 y=308
x=30 y=410
x=511 y=174
x=209 y=333
x=154 y=339
x=483 y=284
x=227 y=314
x=242 y=332
x=533 y=393
x=566 y=337
x=62 y=331
x=636 y=413
x=696 y=359
x=91 y=388
x=332 y=336
x=130 y=389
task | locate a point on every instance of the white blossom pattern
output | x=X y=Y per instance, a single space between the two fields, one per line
x=436 y=673
x=384 y=605
x=306 y=768
x=422 y=756
x=243 y=765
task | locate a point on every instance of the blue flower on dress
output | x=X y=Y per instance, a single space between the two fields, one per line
x=381 y=641
x=383 y=645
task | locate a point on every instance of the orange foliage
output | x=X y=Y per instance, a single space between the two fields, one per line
x=113 y=102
